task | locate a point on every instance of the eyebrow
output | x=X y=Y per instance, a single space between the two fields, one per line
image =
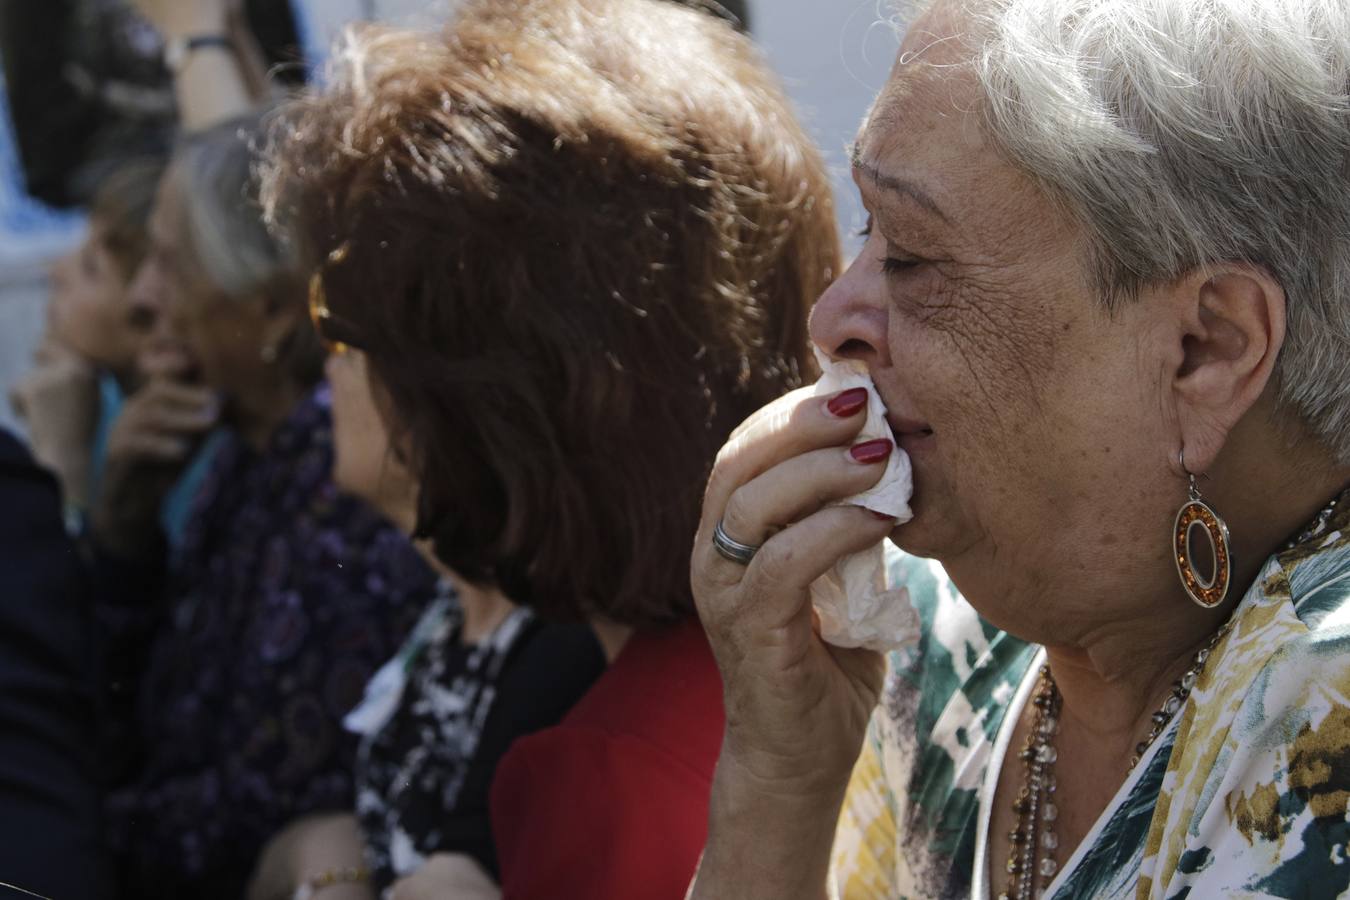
x=894 y=184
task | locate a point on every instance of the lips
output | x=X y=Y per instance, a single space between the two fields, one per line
x=903 y=427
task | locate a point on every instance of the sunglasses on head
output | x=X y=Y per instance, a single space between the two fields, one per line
x=319 y=313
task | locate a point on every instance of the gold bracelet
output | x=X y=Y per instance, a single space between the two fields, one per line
x=331 y=878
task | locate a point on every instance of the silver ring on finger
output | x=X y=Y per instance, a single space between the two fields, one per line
x=730 y=548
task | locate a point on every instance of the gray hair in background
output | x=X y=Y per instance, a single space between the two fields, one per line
x=1187 y=133
x=214 y=171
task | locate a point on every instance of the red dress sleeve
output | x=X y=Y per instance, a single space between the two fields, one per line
x=612 y=804
x=581 y=813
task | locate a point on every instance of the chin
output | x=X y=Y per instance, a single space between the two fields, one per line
x=914 y=539
x=929 y=534
x=346 y=483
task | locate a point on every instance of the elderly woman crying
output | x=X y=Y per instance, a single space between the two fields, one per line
x=1105 y=301
x=229 y=663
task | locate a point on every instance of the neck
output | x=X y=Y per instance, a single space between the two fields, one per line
x=1114 y=679
x=255 y=416
x=612 y=637
x=1112 y=682
x=483 y=608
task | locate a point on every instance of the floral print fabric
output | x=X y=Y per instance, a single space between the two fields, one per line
x=413 y=764
x=283 y=600
x=1243 y=795
x=438 y=718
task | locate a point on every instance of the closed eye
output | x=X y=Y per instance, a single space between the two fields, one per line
x=892 y=265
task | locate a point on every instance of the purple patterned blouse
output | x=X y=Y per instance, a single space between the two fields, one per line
x=283 y=600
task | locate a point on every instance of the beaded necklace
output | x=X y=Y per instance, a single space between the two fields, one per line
x=1034 y=842
x=1035 y=803
x=1033 y=848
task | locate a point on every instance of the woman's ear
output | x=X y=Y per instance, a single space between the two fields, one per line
x=1231 y=327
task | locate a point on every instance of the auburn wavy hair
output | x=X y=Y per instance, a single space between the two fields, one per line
x=578 y=241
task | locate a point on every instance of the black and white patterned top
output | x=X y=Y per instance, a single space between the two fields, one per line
x=439 y=716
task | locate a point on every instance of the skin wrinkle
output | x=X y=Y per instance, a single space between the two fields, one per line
x=1034 y=278
x=976 y=303
x=896 y=184
x=1027 y=339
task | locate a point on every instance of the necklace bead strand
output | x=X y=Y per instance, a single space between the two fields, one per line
x=1035 y=807
x=1033 y=843
x=1181 y=690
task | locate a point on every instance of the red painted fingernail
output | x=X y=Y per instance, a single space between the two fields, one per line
x=870 y=452
x=847 y=403
x=882 y=516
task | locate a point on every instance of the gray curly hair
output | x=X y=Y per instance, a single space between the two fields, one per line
x=1183 y=133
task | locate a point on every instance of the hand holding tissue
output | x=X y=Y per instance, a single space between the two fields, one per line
x=855 y=607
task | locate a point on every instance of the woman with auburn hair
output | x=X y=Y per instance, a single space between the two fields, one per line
x=569 y=244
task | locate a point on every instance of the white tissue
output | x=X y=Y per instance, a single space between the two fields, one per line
x=855 y=607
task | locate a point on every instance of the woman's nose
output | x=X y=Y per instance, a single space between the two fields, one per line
x=143 y=291
x=851 y=319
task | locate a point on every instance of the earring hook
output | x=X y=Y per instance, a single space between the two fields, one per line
x=1194 y=488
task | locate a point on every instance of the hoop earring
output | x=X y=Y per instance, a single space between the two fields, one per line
x=1206 y=592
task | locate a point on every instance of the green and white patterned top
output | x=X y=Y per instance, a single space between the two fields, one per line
x=1245 y=793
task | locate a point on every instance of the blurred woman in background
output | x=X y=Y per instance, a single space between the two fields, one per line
x=476 y=673
x=89 y=359
x=230 y=664
x=570 y=244
x=95 y=331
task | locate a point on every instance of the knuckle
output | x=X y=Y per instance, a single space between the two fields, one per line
x=711 y=578
x=728 y=467
x=738 y=520
x=725 y=478
x=772 y=563
x=720 y=476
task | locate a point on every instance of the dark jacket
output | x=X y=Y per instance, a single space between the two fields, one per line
x=49 y=804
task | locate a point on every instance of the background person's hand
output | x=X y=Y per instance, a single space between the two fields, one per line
x=59 y=401
x=306 y=848
x=797 y=709
x=444 y=876
x=186 y=18
x=158 y=431
x=212 y=87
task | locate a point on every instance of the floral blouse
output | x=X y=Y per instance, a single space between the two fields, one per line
x=440 y=715
x=283 y=599
x=1244 y=794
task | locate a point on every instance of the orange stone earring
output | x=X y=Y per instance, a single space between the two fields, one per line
x=1196 y=514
